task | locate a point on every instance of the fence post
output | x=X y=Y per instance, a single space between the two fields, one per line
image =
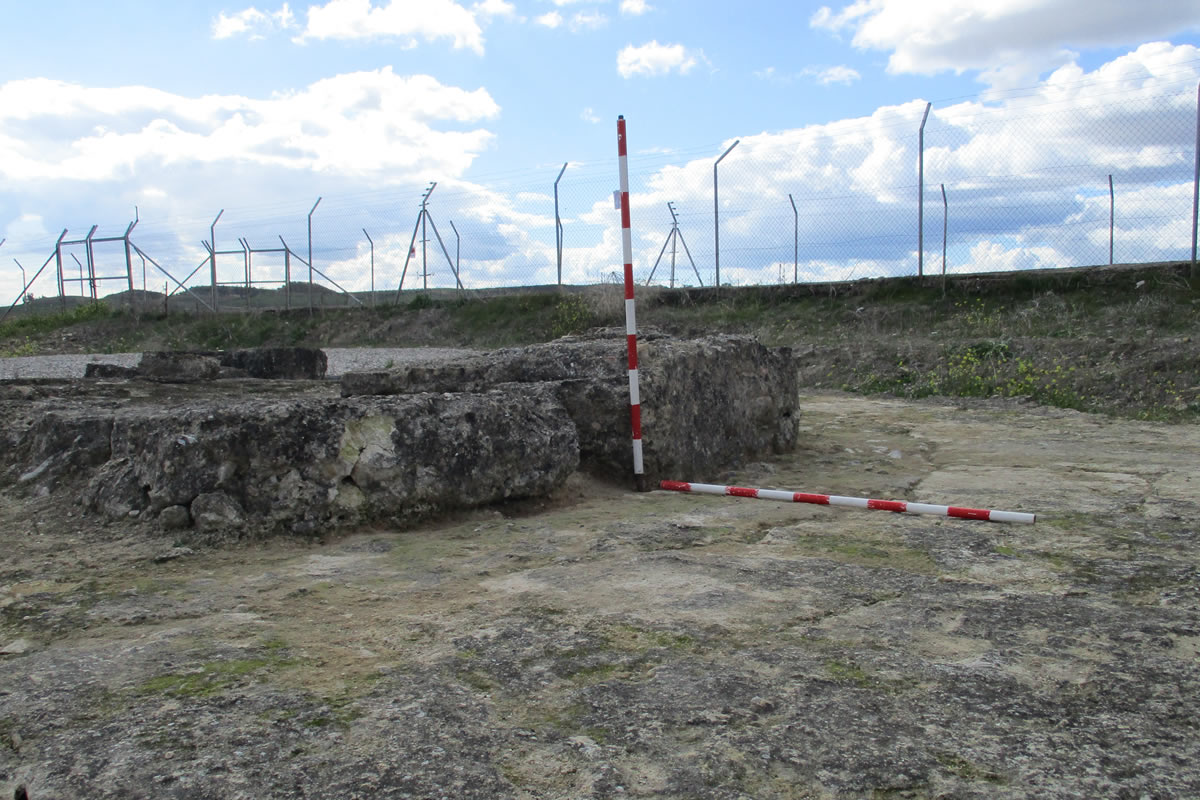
x=364 y=230
x=921 y=194
x=945 y=228
x=558 y=229
x=212 y=240
x=458 y=253
x=717 y=219
x=310 y=261
x=62 y=286
x=1111 y=217
x=795 y=241
x=91 y=260
x=1196 y=183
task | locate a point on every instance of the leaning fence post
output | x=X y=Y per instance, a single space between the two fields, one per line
x=945 y=228
x=921 y=194
x=1111 y=217
x=717 y=218
x=310 y=261
x=1196 y=183
x=212 y=238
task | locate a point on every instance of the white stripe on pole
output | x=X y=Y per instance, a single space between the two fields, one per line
x=896 y=506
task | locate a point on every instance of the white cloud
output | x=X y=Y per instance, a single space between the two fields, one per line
x=991 y=256
x=652 y=59
x=839 y=74
x=252 y=23
x=588 y=20
x=367 y=123
x=826 y=76
x=495 y=8
x=588 y=115
x=551 y=19
x=361 y=19
x=1026 y=38
x=635 y=8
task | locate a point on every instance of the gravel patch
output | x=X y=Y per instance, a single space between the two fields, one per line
x=341 y=360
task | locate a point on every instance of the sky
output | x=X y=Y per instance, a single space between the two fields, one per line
x=178 y=112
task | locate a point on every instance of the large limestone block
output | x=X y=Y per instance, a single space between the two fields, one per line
x=707 y=404
x=302 y=464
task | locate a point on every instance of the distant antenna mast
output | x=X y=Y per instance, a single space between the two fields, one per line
x=673 y=238
x=424 y=217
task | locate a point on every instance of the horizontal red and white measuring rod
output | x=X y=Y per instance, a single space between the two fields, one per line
x=898 y=506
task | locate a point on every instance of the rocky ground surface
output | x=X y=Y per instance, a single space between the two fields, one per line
x=604 y=643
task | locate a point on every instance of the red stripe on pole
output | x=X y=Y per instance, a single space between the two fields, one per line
x=631 y=346
x=968 y=513
x=621 y=136
x=625 y=210
x=898 y=506
x=635 y=417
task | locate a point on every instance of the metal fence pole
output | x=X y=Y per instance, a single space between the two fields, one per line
x=62 y=286
x=129 y=254
x=457 y=253
x=91 y=260
x=1196 y=183
x=310 y=260
x=212 y=240
x=287 y=274
x=945 y=228
x=24 y=285
x=1111 y=217
x=558 y=229
x=921 y=194
x=716 y=217
x=364 y=230
x=795 y=240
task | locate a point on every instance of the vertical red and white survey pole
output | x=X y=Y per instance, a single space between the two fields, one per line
x=635 y=400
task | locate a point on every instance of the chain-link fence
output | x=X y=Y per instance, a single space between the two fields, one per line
x=1062 y=175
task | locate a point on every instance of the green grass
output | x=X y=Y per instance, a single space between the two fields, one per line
x=1089 y=340
x=29 y=325
x=214 y=677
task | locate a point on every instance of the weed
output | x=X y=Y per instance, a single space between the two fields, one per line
x=214 y=677
x=571 y=316
x=420 y=302
x=967 y=770
x=844 y=672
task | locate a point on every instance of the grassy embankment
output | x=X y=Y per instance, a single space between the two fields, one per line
x=1123 y=341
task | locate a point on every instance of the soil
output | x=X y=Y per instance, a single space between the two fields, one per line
x=606 y=643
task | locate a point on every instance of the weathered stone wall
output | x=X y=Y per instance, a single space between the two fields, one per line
x=233 y=456
x=707 y=404
x=224 y=464
x=288 y=363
